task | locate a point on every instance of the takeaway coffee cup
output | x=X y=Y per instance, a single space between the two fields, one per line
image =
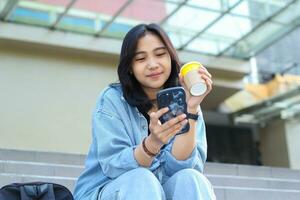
x=195 y=84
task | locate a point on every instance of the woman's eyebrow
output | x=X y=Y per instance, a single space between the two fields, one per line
x=139 y=52
x=156 y=49
x=160 y=48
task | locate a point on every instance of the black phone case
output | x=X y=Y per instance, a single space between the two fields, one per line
x=174 y=99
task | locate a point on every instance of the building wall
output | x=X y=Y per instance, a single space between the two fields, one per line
x=273 y=144
x=293 y=137
x=280 y=143
x=48 y=95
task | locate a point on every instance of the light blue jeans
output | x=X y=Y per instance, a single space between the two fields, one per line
x=141 y=183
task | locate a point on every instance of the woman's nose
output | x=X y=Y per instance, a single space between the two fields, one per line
x=152 y=63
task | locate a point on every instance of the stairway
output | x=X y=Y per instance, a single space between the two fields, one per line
x=231 y=181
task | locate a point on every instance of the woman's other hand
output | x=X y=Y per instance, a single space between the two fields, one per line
x=194 y=101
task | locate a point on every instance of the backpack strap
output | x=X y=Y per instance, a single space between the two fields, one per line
x=41 y=192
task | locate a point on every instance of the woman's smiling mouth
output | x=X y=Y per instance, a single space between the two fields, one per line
x=154 y=74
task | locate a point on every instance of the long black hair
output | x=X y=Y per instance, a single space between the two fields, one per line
x=132 y=90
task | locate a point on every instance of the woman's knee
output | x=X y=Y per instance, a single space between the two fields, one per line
x=193 y=181
x=138 y=183
x=193 y=176
x=143 y=185
x=142 y=176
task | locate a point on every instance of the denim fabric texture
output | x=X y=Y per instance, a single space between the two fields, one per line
x=117 y=128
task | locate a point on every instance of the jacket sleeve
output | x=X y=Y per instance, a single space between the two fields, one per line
x=197 y=158
x=114 y=143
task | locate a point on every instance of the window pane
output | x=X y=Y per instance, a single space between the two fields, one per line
x=42 y=12
x=259 y=9
x=139 y=11
x=255 y=41
x=88 y=16
x=78 y=24
x=218 y=5
x=191 y=19
x=231 y=27
x=2 y=5
x=289 y=15
x=208 y=44
x=178 y=37
x=62 y=3
x=172 y=1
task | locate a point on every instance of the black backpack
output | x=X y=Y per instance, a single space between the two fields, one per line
x=35 y=191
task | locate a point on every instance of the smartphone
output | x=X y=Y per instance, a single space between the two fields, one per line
x=174 y=98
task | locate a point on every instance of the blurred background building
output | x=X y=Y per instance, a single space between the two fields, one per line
x=57 y=55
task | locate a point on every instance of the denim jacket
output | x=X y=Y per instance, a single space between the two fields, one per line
x=117 y=128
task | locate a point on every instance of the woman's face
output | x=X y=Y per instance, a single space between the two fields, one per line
x=151 y=64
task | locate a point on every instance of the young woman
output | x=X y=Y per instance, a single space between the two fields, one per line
x=133 y=156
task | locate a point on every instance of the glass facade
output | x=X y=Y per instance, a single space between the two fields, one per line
x=234 y=28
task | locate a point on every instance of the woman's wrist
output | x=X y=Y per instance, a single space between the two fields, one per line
x=192 y=110
x=150 y=153
x=152 y=145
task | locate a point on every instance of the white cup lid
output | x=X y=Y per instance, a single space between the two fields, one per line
x=198 y=89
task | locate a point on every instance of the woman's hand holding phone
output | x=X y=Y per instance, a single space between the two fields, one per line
x=160 y=134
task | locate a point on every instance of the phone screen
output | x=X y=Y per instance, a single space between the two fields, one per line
x=174 y=99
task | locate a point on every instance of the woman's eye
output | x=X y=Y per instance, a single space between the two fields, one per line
x=140 y=59
x=161 y=54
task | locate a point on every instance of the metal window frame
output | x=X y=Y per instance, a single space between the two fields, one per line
x=67 y=8
x=173 y=12
x=269 y=19
x=222 y=14
x=275 y=40
x=8 y=8
x=114 y=17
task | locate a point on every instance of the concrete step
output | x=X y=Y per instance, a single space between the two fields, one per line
x=251 y=171
x=231 y=181
x=73 y=171
x=39 y=168
x=210 y=168
x=222 y=192
x=237 y=193
x=44 y=157
x=53 y=169
x=254 y=182
x=50 y=169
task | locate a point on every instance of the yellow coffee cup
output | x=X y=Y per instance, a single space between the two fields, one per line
x=195 y=84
